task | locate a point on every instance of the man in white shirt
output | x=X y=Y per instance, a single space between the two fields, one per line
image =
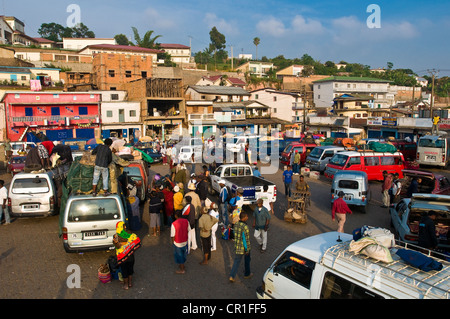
x=4 y=203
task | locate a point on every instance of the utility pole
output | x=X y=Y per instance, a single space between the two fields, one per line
x=433 y=73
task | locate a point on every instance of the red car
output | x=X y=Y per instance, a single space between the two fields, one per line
x=302 y=148
x=431 y=183
x=16 y=164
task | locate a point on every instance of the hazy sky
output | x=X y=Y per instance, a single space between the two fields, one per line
x=412 y=34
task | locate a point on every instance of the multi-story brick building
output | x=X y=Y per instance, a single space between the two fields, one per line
x=111 y=70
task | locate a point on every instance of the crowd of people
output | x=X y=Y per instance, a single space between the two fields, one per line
x=179 y=201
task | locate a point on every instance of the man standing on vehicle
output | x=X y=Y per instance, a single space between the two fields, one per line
x=102 y=160
x=339 y=211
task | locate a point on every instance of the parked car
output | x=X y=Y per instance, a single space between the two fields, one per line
x=302 y=148
x=406 y=215
x=185 y=154
x=16 y=164
x=319 y=157
x=241 y=176
x=32 y=195
x=89 y=223
x=137 y=171
x=431 y=183
x=17 y=146
x=355 y=186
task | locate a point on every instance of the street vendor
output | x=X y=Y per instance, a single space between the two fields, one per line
x=302 y=186
x=126 y=244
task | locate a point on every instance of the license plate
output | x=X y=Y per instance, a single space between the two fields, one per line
x=98 y=234
x=34 y=206
x=347 y=197
x=430 y=157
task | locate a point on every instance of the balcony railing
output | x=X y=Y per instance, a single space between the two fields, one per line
x=201 y=117
x=52 y=118
x=238 y=117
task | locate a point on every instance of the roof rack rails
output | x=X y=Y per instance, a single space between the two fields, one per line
x=402 y=277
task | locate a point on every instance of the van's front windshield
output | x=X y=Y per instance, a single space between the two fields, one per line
x=316 y=152
x=339 y=160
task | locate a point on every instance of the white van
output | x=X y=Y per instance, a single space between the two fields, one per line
x=319 y=157
x=32 y=195
x=320 y=267
x=89 y=223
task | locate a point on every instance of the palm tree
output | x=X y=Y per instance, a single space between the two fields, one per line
x=256 y=42
x=147 y=41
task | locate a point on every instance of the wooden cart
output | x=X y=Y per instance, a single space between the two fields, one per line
x=296 y=210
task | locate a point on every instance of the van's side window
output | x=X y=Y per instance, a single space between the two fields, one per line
x=371 y=161
x=296 y=268
x=354 y=161
x=387 y=160
x=335 y=287
x=328 y=154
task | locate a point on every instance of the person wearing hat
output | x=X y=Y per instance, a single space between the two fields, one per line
x=177 y=198
x=261 y=224
x=205 y=225
x=189 y=214
x=236 y=204
x=195 y=199
x=196 y=202
x=213 y=211
x=339 y=211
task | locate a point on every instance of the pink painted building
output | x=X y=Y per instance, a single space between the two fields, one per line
x=59 y=115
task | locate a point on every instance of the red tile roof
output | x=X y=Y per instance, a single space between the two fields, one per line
x=173 y=46
x=43 y=40
x=236 y=81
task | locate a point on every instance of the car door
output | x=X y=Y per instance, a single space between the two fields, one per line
x=215 y=177
x=290 y=277
x=397 y=216
x=444 y=186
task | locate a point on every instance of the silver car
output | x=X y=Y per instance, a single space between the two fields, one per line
x=32 y=195
x=89 y=223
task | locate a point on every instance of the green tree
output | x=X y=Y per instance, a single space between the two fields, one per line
x=56 y=32
x=147 y=41
x=217 y=45
x=122 y=39
x=256 y=42
x=82 y=31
